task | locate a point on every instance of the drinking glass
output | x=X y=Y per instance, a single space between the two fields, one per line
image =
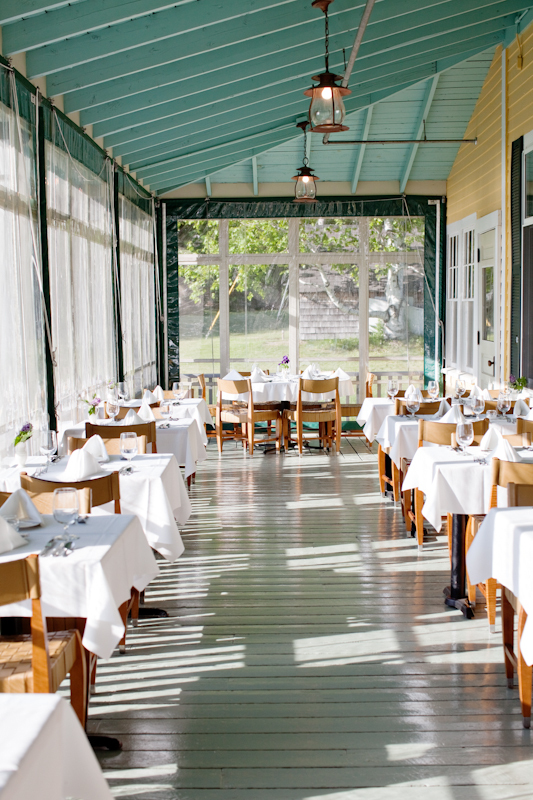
x=175 y=389
x=164 y=410
x=174 y=411
x=460 y=387
x=392 y=388
x=65 y=508
x=464 y=435
x=504 y=403
x=412 y=406
x=478 y=406
x=433 y=389
x=123 y=391
x=112 y=408
x=48 y=446
x=128 y=445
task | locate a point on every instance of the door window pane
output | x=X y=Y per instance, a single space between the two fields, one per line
x=488 y=303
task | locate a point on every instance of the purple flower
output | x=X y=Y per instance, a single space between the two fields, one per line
x=284 y=360
x=26 y=428
x=96 y=401
x=512 y=379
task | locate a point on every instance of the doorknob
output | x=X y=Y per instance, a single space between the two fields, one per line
x=491 y=363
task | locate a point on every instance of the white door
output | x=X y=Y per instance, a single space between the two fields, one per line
x=487 y=282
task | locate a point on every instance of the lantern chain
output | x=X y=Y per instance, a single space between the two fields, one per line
x=306 y=160
x=327 y=37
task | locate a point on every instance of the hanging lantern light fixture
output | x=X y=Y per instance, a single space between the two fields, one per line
x=305 y=191
x=326 y=111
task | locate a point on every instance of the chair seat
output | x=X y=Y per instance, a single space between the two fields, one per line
x=240 y=415
x=312 y=415
x=16 y=675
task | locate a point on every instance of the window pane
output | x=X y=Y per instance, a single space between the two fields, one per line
x=198 y=236
x=258 y=236
x=199 y=320
x=259 y=316
x=326 y=235
x=488 y=303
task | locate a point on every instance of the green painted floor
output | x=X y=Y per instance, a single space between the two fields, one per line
x=308 y=653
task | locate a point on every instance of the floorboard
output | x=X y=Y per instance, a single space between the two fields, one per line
x=308 y=653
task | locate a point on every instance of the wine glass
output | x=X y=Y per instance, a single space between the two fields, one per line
x=460 y=387
x=392 y=388
x=128 y=445
x=175 y=389
x=412 y=406
x=174 y=411
x=48 y=446
x=123 y=391
x=433 y=389
x=164 y=410
x=504 y=403
x=478 y=406
x=112 y=408
x=66 y=510
x=464 y=435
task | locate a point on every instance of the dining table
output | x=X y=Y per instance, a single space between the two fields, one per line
x=44 y=752
x=110 y=557
x=284 y=389
x=154 y=492
x=374 y=410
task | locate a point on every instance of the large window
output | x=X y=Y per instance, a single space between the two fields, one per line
x=22 y=332
x=138 y=294
x=81 y=280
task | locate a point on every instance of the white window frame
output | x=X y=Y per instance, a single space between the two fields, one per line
x=456 y=278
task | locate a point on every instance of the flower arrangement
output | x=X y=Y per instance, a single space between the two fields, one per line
x=92 y=403
x=24 y=434
x=284 y=361
x=517 y=383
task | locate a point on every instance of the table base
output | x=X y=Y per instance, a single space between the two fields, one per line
x=104 y=742
x=455 y=593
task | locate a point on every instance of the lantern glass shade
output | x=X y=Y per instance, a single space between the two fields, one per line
x=327 y=107
x=305 y=190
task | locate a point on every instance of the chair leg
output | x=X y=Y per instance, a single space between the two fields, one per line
x=135 y=597
x=508 y=637
x=251 y=438
x=300 y=435
x=524 y=672
x=219 y=435
x=395 y=482
x=491 y=587
x=467 y=538
x=79 y=689
x=123 y=611
x=279 y=432
x=406 y=498
x=381 y=469
x=419 y=520
x=338 y=434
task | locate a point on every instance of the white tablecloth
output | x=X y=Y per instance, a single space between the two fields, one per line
x=400 y=435
x=44 y=752
x=503 y=549
x=183 y=439
x=155 y=493
x=279 y=390
x=110 y=557
x=195 y=408
x=373 y=412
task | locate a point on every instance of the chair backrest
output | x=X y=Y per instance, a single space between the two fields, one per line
x=327 y=386
x=95 y=492
x=113 y=431
x=232 y=387
x=504 y=472
x=111 y=445
x=443 y=433
x=123 y=410
x=494 y=392
x=480 y=427
x=520 y=494
x=400 y=407
x=524 y=425
x=3 y=497
x=370 y=379
x=492 y=405
x=201 y=381
x=518 y=439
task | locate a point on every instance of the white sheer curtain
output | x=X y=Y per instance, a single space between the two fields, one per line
x=137 y=296
x=81 y=281
x=22 y=351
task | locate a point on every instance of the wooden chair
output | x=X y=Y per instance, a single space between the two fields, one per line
x=371 y=378
x=524 y=425
x=492 y=405
x=400 y=407
x=111 y=445
x=95 y=492
x=348 y=412
x=3 y=497
x=328 y=414
x=244 y=417
x=123 y=410
x=39 y=662
x=201 y=381
x=113 y=432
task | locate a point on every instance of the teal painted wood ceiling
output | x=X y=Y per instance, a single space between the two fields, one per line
x=196 y=89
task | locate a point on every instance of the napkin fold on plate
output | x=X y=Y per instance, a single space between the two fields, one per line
x=81 y=465
x=145 y=412
x=159 y=394
x=443 y=409
x=312 y=372
x=258 y=376
x=521 y=409
x=132 y=418
x=413 y=392
x=341 y=375
x=453 y=415
x=149 y=397
x=475 y=391
x=491 y=439
x=10 y=539
x=20 y=505
x=96 y=447
x=505 y=451
x=233 y=375
x=486 y=395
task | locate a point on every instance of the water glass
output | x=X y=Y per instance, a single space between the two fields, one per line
x=504 y=403
x=392 y=388
x=128 y=445
x=48 y=446
x=112 y=409
x=478 y=406
x=460 y=387
x=174 y=411
x=175 y=389
x=464 y=435
x=123 y=391
x=412 y=406
x=164 y=410
x=65 y=506
x=433 y=389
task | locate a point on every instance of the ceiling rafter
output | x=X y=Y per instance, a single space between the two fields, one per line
x=419 y=130
x=367 y=120
x=11 y=12
x=255 y=181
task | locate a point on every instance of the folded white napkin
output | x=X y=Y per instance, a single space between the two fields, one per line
x=312 y=372
x=341 y=375
x=20 y=505
x=10 y=539
x=505 y=451
x=258 y=376
x=486 y=395
x=453 y=415
x=159 y=394
x=233 y=375
x=412 y=392
x=475 y=391
x=491 y=439
x=96 y=447
x=145 y=412
x=81 y=465
x=443 y=409
x=521 y=409
x=149 y=397
x=132 y=418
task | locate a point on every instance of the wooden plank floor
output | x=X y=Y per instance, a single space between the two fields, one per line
x=308 y=653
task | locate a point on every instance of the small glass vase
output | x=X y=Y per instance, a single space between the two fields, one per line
x=21 y=453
